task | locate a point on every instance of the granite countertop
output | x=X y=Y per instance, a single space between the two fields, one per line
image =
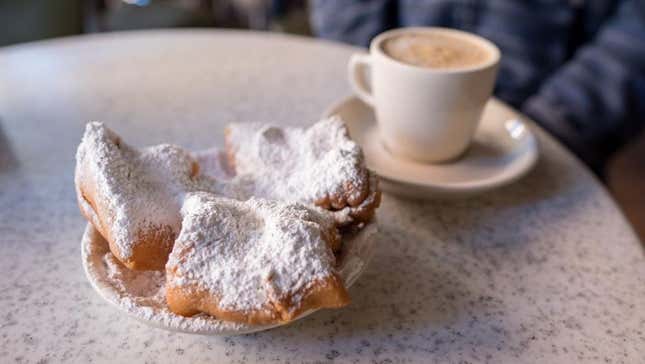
x=545 y=270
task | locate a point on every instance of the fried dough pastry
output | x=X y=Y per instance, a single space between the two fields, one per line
x=133 y=196
x=256 y=261
x=319 y=165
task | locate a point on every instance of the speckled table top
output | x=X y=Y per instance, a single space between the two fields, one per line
x=545 y=270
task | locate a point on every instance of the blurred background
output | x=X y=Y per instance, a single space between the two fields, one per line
x=31 y=20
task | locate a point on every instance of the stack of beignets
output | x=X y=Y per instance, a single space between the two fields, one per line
x=257 y=247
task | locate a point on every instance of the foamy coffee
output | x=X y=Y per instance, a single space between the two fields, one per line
x=427 y=112
x=435 y=50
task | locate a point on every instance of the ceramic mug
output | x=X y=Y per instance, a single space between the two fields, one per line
x=425 y=114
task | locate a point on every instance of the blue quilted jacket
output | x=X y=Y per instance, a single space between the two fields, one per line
x=575 y=66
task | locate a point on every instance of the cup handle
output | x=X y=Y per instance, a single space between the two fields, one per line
x=357 y=67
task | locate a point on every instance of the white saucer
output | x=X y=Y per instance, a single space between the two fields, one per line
x=504 y=149
x=141 y=294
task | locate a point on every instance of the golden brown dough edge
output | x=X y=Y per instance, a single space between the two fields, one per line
x=229 y=148
x=365 y=211
x=326 y=293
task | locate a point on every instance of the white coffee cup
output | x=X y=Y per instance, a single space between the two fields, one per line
x=423 y=113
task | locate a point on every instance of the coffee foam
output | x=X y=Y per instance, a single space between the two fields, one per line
x=436 y=50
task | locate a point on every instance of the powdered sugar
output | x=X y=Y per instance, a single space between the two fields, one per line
x=250 y=253
x=296 y=164
x=148 y=285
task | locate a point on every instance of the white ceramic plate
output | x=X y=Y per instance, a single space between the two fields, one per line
x=141 y=294
x=504 y=149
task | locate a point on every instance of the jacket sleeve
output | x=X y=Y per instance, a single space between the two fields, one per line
x=355 y=22
x=596 y=101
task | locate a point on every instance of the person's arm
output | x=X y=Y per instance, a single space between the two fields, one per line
x=596 y=101
x=352 y=21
